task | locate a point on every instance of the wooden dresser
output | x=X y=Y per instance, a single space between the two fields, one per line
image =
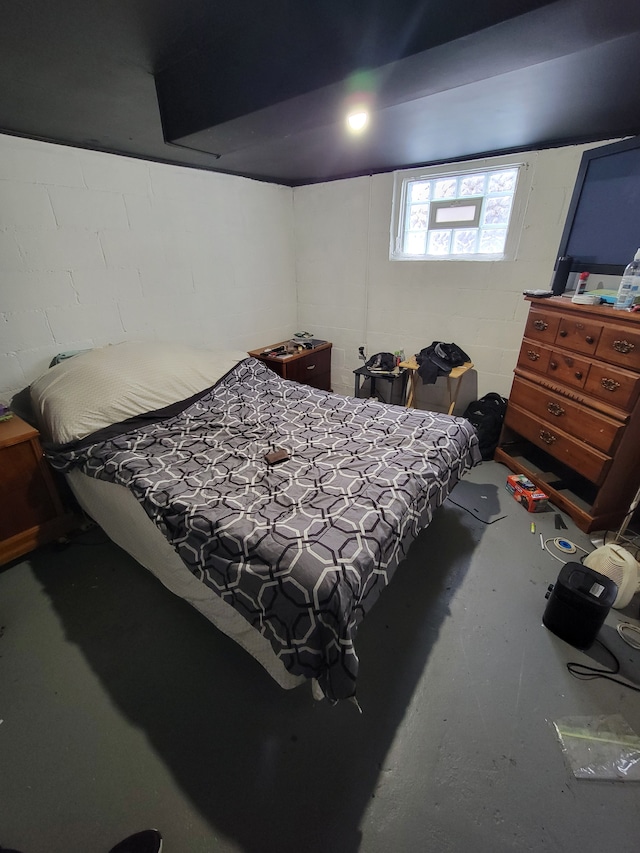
x=32 y=512
x=308 y=366
x=573 y=420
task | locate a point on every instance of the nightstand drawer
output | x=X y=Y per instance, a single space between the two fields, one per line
x=314 y=369
x=32 y=512
x=28 y=501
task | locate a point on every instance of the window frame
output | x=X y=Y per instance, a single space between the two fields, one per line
x=401 y=180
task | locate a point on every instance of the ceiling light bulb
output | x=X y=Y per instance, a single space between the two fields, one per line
x=358 y=121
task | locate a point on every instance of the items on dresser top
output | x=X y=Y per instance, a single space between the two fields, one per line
x=573 y=418
x=629 y=288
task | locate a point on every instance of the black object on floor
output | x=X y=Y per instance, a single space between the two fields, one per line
x=578 y=604
x=147 y=841
x=480 y=499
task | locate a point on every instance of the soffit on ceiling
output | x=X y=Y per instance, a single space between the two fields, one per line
x=258 y=88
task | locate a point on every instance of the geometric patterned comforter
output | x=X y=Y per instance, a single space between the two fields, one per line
x=301 y=549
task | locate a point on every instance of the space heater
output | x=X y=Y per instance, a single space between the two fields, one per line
x=616 y=563
x=578 y=604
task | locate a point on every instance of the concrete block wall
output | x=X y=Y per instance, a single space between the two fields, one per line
x=351 y=293
x=97 y=248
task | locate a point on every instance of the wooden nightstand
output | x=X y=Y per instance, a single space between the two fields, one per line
x=308 y=366
x=32 y=512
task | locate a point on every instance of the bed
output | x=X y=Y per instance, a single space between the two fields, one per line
x=166 y=447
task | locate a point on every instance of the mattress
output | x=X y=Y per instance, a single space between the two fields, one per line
x=287 y=559
x=125 y=522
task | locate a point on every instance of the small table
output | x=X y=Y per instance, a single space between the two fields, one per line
x=374 y=375
x=456 y=373
x=307 y=362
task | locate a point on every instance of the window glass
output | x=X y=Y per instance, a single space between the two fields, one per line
x=428 y=227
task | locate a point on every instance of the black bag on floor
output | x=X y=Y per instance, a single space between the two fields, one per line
x=486 y=416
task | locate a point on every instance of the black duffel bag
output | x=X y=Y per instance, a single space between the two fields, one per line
x=486 y=416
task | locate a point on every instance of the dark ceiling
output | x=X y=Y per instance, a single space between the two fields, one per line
x=260 y=88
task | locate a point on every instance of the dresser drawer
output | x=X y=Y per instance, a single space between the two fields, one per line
x=613 y=385
x=579 y=456
x=620 y=346
x=542 y=325
x=571 y=417
x=567 y=368
x=562 y=367
x=579 y=335
x=533 y=356
x=616 y=386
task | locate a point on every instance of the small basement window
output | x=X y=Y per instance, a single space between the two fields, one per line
x=472 y=213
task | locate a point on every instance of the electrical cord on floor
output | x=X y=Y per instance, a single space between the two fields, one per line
x=564 y=547
x=586 y=673
x=626 y=628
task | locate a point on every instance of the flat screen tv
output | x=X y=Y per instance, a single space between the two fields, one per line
x=602 y=231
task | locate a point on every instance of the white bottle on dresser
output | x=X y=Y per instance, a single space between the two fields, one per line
x=629 y=284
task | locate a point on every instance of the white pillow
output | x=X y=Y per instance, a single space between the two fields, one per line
x=108 y=385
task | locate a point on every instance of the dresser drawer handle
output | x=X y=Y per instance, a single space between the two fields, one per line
x=589 y=339
x=563 y=333
x=610 y=384
x=553 y=365
x=623 y=346
x=578 y=374
x=540 y=325
x=311 y=367
x=547 y=437
x=555 y=409
x=534 y=356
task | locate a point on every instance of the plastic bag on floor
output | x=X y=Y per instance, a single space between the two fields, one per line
x=604 y=747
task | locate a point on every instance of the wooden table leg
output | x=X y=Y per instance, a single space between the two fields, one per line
x=412 y=389
x=453 y=400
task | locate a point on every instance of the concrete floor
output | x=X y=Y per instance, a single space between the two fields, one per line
x=122 y=708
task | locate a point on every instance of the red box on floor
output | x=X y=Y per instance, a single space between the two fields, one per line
x=527 y=493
